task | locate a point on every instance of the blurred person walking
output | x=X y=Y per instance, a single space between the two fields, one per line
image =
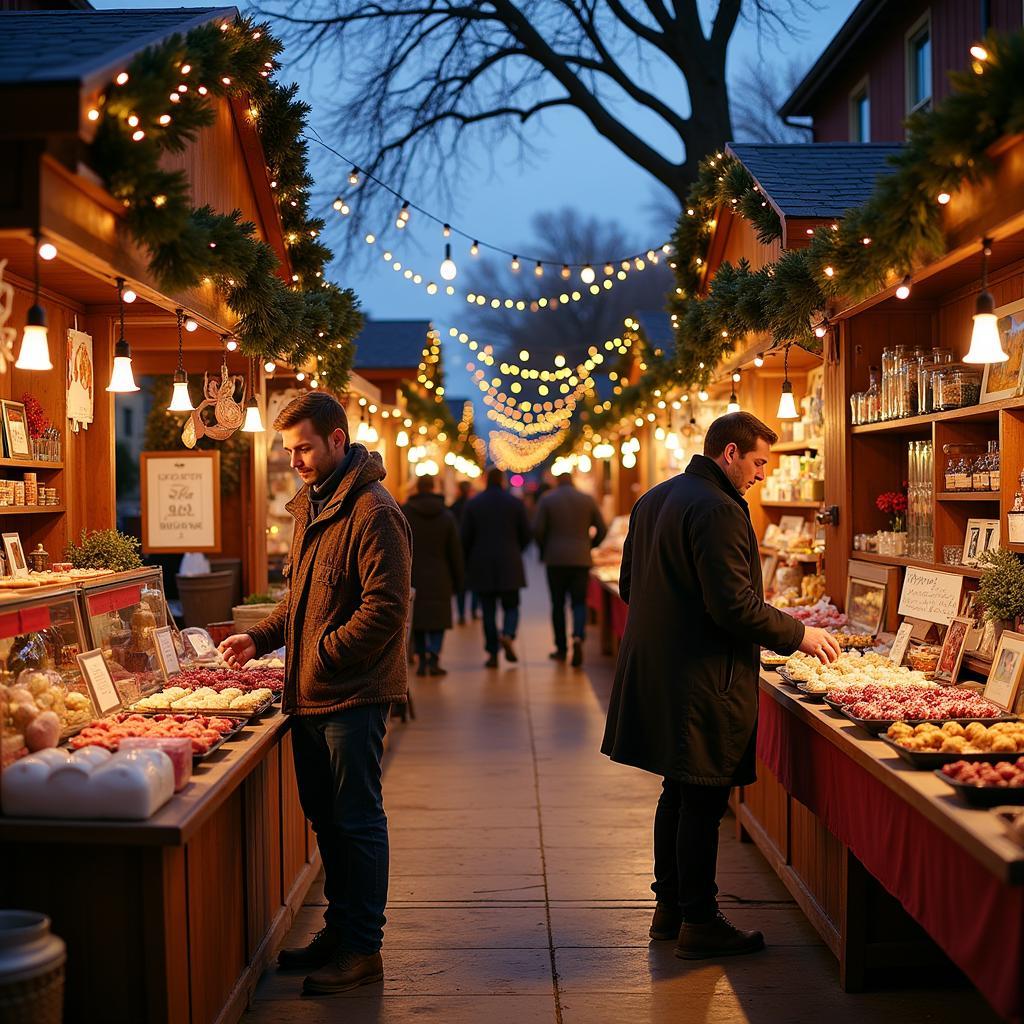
x=437 y=572
x=457 y=507
x=562 y=528
x=495 y=532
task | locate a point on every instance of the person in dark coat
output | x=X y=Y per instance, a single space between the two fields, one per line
x=457 y=507
x=495 y=532
x=437 y=572
x=684 y=701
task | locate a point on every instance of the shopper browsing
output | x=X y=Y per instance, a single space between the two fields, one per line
x=343 y=624
x=684 y=701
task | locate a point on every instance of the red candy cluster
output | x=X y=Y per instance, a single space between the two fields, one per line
x=1004 y=775
x=202 y=730
x=821 y=618
x=35 y=419
x=881 y=704
x=218 y=679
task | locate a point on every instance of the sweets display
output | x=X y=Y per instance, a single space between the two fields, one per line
x=853 y=669
x=954 y=738
x=823 y=615
x=52 y=578
x=854 y=641
x=37 y=711
x=981 y=775
x=180 y=698
x=245 y=679
x=203 y=731
x=879 y=703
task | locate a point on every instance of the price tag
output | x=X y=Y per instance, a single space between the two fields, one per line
x=105 y=697
x=165 y=652
x=201 y=644
x=899 y=646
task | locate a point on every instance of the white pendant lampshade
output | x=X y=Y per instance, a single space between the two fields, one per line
x=372 y=437
x=787 y=405
x=122 y=380
x=35 y=349
x=253 y=422
x=402 y=440
x=180 y=400
x=734 y=403
x=986 y=345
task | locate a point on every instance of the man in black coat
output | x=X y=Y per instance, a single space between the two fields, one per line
x=457 y=507
x=495 y=532
x=684 y=702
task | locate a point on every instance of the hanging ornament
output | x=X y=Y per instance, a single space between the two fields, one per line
x=228 y=411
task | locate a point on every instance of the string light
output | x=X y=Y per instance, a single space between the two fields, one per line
x=787 y=405
x=903 y=289
x=759 y=360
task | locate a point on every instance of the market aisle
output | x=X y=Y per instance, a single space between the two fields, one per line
x=520 y=872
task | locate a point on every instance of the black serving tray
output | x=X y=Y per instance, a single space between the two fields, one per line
x=209 y=712
x=788 y=679
x=813 y=696
x=225 y=737
x=928 y=760
x=984 y=796
x=882 y=725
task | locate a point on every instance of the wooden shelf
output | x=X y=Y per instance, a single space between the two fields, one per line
x=788 y=447
x=870 y=556
x=967 y=496
x=920 y=424
x=791 y=504
x=29 y=464
x=30 y=510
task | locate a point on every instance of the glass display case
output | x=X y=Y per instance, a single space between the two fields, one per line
x=121 y=616
x=44 y=696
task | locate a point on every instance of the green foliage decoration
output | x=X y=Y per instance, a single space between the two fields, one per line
x=1001 y=587
x=105 y=549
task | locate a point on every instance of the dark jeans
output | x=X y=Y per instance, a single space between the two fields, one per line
x=337 y=765
x=427 y=641
x=686 y=847
x=460 y=602
x=509 y=621
x=568 y=581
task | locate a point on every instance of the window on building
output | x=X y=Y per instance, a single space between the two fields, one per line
x=919 y=66
x=860 y=114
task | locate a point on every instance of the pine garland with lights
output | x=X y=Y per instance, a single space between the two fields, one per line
x=158 y=105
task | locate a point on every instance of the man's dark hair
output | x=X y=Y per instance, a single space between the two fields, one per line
x=495 y=477
x=425 y=484
x=739 y=428
x=324 y=411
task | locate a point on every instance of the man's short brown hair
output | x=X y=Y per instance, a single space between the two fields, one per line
x=739 y=428
x=324 y=411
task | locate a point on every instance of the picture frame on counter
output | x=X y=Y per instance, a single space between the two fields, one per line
x=14 y=554
x=898 y=651
x=1003 y=684
x=1003 y=380
x=166 y=652
x=953 y=645
x=102 y=689
x=17 y=443
x=865 y=605
x=982 y=535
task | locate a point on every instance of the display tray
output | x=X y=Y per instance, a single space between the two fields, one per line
x=815 y=696
x=260 y=709
x=788 y=679
x=927 y=760
x=225 y=737
x=882 y=725
x=984 y=796
x=769 y=662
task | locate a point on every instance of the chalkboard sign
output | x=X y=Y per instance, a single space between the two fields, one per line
x=180 y=501
x=932 y=596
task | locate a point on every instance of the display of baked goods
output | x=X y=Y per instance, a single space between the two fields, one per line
x=252 y=677
x=854 y=641
x=924 y=657
x=772 y=660
x=270 y=661
x=823 y=615
x=204 y=731
x=1003 y=775
x=205 y=698
x=954 y=738
x=49 y=578
x=37 y=711
x=914 y=703
x=852 y=669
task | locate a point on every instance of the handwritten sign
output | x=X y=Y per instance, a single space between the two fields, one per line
x=165 y=652
x=932 y=596
x=180 y=501
x=105 y=697
x=899 y=646
x=201 y=644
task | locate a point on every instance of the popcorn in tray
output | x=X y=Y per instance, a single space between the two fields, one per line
x=852 y=669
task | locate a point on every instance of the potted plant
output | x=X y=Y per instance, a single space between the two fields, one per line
x=893 y=504
x=1000 y=592
x=105 y=549
x=252 y=611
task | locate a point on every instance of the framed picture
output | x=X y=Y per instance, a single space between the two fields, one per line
x=16 y=440
x=180 y=501
x=792 y=526
x=1003 y=682
x=15 y=555
x=1003 y=380
x=865 y=605
x=898 y=651
x=952 y=651
x=982 y=535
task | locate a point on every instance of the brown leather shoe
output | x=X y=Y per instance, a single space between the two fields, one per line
x=510 y=651
x=666 y=923
x=347 y=971
x=715 y=938
x=577 y=652
x=322 y=949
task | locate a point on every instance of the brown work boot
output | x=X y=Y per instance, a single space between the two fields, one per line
x=347 y=971
x=666 y=923
x=510 y=651
x=322 y=949
x=715 y=938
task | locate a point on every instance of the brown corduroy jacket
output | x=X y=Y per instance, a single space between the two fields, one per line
x=344 y=619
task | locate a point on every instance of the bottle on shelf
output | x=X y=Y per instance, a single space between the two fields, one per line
x=994 y=479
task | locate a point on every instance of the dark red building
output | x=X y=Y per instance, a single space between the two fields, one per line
x=892 y=57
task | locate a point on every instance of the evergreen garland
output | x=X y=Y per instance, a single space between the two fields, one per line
x=157 y=106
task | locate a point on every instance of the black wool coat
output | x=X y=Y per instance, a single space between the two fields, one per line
x=685 y=697
x=437 y=566
x=495 y=532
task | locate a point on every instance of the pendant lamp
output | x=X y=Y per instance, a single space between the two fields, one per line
x=122 y=380
x=180 y=401
x=787 y=405
x=34 y=353
x=253 y=422
x=986 y=345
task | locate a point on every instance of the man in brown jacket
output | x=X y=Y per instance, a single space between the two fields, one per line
x=343 y=624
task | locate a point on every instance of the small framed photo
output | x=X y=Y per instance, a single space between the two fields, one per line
x=15 y=555
x=1003 y=683
x=1003 y=380
x=865 y=605
x=16 y=439
x=792 y=526
x=898 y=651
x=948 y=666
x=982 y=535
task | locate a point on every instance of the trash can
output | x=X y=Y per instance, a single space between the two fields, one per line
x=31 y=969
x=205 y=597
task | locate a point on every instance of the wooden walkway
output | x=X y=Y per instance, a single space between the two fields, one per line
x=520 y=873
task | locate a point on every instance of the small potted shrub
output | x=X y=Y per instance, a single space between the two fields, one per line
x=1000 y=593
x=105 y=549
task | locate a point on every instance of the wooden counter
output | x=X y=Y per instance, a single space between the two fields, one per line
x=173 y=919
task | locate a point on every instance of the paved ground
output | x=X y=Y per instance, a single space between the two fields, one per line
x=520 y=872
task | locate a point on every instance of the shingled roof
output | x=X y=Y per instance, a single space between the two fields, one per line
x=391 y=344
x=70 y=46
x=819 y=179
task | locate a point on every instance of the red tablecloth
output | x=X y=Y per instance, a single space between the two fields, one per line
x=977 y=919
x=595 y=594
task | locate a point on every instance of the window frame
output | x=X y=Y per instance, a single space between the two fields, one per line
x=860 y=92
x=923 y=26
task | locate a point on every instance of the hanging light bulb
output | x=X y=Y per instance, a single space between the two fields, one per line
x=269 y=366
x=787 y=405
x=180 y=400
x=566 y=272
x=702 y=395
x=587 y=275
x=734 y=403
x=759 y=360
x=515 y=264
x=986 y=345
x=35 y=348
x=253 y=422
x=539 y=269
x=448 y=269
x=353 y=176
x=402 y=439
x=403 y=216
x=474 y=249
x=903 y=289
x=122 y=380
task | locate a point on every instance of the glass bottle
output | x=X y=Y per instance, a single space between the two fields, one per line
x=950 y=475
x=963 y=473
x=873 y=396
x=993 y=466
x=884 y=410
x=980 y=474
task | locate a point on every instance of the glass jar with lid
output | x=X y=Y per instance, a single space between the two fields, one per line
x=956 y=386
